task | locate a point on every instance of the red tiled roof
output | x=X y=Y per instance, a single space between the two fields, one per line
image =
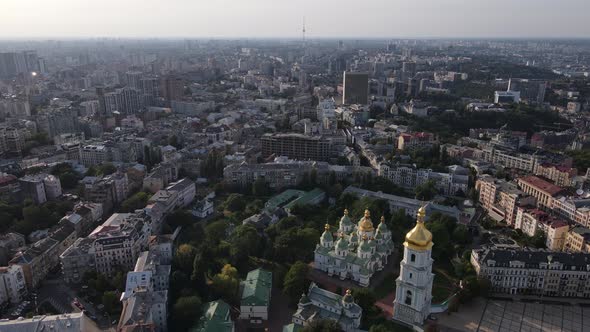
x=542 y=185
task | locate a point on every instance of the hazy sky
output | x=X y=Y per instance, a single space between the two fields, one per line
x=283 y=18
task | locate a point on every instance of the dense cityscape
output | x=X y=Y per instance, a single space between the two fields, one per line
x=299 y=184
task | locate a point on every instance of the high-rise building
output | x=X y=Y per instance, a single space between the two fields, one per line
x=530 y=90
x=356 y=88
x=134 y=79
x=172 y=88
x=413 y=293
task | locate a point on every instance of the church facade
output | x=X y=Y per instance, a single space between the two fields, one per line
x=356 y=252
x=413 y=295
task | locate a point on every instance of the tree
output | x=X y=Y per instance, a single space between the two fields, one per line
x=461 y=235
x=322 y=325
x=68 y=180
x=186 y=312
x=295 y=282
x=539 y=239
x=442 y=247
x=184 y=258
x=183 y=218
x=110 y=300
x=137 y=201
x=245 y=242
x=215 y=231
x=107 y=169
x=234 y=203
x=426 y=191
x=260 y=187
x=295 y=244
x=225 y=284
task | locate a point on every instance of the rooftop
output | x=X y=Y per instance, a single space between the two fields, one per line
x=541 y=184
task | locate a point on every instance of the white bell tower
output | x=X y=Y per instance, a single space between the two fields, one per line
x=414 y=285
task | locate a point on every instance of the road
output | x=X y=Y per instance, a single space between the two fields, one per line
x=60 y=295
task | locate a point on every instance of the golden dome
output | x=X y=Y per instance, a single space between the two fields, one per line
x=419 y=238
x=366 y=225
x=327 y=227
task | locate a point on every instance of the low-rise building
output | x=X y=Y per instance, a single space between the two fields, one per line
x=255 y=295
x=72 y=322
x=145 y=311
x=528 y=272
x=216 y=318
x=321 y=304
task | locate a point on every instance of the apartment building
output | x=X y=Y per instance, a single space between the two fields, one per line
x=160 y=177
x=145 y=311
x=409 y=177
x=414 y=141
x=13 y=288
x=119 y=241
x=9 y=243
x=577 y=240
x=284 y=173
x=37 y=260
x=576 y=210
x=543 y=191
x=150 y=273
x=560 y=175
x=186 y=191
x=500 y=198
x=528 y=272
x=40 y=187
x=296 y=146
x=532 y=220
x=93 y=154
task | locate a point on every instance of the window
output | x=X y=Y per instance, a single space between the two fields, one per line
x=410 y=275
x=409 y=297
x=412 y=258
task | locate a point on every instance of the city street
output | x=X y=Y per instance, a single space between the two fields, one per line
x=60 y=295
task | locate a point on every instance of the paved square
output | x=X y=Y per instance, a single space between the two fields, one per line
x=506 y=316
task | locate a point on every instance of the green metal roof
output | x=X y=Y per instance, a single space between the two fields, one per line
x=306 y=198
x=284 y=198
x=256 y=289
x=216 y=318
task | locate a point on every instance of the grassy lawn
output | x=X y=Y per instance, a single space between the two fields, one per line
x=442 y=288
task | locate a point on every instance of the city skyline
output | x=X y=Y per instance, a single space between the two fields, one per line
x=268 y=19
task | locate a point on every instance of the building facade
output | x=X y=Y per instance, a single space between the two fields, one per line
x=360 y=251
x=413 y=295
x=540 y=273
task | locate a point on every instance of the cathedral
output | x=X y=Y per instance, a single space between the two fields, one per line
x=358 y=252
x=413 y=293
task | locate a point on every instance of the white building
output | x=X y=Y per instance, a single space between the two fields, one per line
x=321 y=304
x=12 y=284
x=359 y=252
x=186 y=190
x=413 y=293
x=52 y=187
x=255 y=295
x=529 y=272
